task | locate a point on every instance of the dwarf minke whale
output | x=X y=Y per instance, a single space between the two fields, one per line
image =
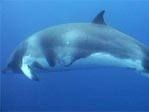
x=78 y=45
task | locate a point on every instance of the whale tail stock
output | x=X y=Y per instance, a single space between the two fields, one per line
x=146 y=62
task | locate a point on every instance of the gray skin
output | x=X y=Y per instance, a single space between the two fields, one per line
x=68 y=43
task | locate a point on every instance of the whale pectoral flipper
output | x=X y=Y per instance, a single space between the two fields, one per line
x=37 y=65
x=28 y=72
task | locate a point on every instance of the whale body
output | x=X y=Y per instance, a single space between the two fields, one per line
x=78 y=45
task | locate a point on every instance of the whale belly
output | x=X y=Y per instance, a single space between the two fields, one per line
x=95 y=60
x=104 y=59
x=101 y=59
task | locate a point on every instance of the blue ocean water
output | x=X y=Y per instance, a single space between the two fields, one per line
x=94 y=89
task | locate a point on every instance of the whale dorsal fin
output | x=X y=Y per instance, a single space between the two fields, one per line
x=99 y=19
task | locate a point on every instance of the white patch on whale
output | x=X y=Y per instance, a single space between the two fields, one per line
x=104 y=59
x=94 y=60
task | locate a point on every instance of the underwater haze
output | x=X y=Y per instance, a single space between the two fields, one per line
x=99 y=89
